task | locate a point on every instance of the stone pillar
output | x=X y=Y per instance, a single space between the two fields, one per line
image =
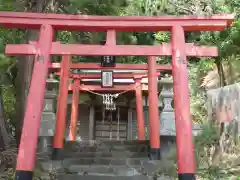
x=48 y=122
x=167 y=114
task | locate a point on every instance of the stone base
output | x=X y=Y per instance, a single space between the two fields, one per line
x=186 y=176
x=57 y=154
x=155 y=154
x=24 y=175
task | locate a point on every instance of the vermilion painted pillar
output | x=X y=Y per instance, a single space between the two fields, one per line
x=139 y=108
x=58 y=142
x=154 y=116
x=31 y=124
x=185 y=149
x=74 y=113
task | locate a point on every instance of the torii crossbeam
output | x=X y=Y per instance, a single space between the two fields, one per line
x=111 y=50
x=95 y=66
x=115 y=75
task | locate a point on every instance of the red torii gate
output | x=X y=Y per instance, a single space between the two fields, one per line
x=48 y=23
x=62 y=98
x=76 y=87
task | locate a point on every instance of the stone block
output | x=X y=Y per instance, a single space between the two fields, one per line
x=167 y=127
x=48 y=116
x=48 y=105
x=78 y=161
x=125 y=171
x=91 y=169
x=167 y=104
x=118 y=162
x=51 y=165
x=47 y=125
x=150 y=167
x=45 y=144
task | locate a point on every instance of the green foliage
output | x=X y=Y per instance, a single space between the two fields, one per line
x=96 y=7
x=205 y=143
x=197 y=93
x=209 y=135
x=7 y=89
x=206 y=152
x=161 y=37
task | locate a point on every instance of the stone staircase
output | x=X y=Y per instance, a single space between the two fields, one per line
x=102 y=160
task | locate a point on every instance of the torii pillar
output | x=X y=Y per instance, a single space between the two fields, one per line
x=31 y=124
x=74 y=113
x=185 y=148
x=139 y=108
x=58 y=142
x=154 y=120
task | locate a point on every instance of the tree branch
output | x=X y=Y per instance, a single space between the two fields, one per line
x=182 y=8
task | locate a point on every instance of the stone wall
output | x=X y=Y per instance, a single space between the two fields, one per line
x=223 y=106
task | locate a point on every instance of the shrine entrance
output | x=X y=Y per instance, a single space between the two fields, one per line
x=111 y=125
x=45 y=47
x=110 y=100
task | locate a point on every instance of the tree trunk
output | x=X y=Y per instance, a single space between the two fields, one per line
x=24 y=75
x=4 y=136
x=221 y=74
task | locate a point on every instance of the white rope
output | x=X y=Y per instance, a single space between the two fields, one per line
x=118 y=119
x=103 y=117
x=108 y=99
x=115 y=95
x=110 y=127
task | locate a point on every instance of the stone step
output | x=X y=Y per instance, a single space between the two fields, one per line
x=88 y=154
x=66 y=163
x=103 y=143
x=125 y=142
x=100 y=177
x=108 y=143
x=61 y=167
x=145 y=167
x=107 y=170
x=126 y=154
x=106 y=148
x=104 y=161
